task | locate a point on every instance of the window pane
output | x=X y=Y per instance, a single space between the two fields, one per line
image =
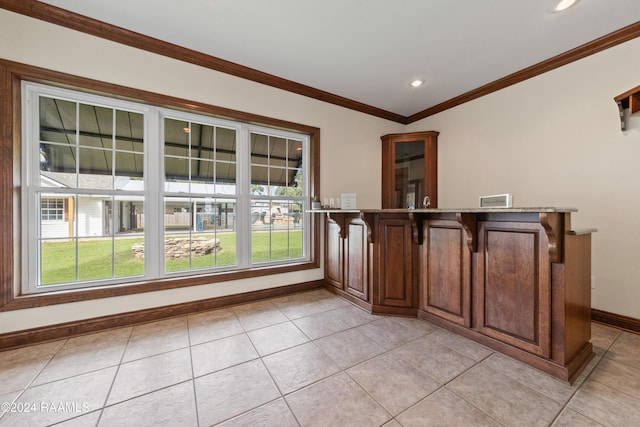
x=57 y=121
x=296 y=183
x=224 y=224
x=202 y=172
x=214 y=243
x=177 y=228
x=225 y=178
x=278 y=181
x=129 y=254
x=277 y=151
x=129 y=164
x=296 y=211
x=276 y=230
x=57 y=261
x=176 y=171
x=58 y=158
x=202 y=141
x=95 y=215
x=259 y=149
x=260 y=231
x=295 y=153
x=199 y=233
x=259 y=178
x=129 y=237
x=95 y=259
x=176 y=137
x=95 y=169
x=226 y=144
x=55 y=211
x=129 y=131
x=96 y=126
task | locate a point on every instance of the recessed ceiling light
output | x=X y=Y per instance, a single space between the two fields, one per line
x=416 y=83
x=564 y=5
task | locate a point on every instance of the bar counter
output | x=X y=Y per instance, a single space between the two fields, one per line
x=517 y=280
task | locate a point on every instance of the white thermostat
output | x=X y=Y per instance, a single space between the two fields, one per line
x=496 y=201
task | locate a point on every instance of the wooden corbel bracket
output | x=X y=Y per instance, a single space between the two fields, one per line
x=630 y=100
x=553 y=227
x=470 y=225
x=417 y=230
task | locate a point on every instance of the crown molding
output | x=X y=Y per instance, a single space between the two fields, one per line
x=610 y=40
x=64 y=18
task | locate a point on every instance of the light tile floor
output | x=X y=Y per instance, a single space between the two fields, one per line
x=309 y=359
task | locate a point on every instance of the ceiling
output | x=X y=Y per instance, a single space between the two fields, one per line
x=369 y=51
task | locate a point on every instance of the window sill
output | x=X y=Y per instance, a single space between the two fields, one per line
x=21 y=302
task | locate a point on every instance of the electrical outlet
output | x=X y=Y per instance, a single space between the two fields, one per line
x=593 y=282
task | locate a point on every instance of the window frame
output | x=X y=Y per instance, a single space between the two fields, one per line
x=11 y=295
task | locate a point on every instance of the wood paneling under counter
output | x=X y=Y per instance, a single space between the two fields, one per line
x=517 y=280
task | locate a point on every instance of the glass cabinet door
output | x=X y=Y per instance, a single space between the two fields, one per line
x=409 y=170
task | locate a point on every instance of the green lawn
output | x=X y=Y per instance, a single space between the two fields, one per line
x=94 y=256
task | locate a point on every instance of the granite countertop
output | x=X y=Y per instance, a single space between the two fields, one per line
x=454 y=210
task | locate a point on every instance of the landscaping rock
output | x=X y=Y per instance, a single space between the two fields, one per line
x=176 y=248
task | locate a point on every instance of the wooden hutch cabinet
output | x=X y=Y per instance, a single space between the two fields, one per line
x=409 y=170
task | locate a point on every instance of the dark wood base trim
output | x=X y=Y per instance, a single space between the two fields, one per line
x=581 y=361
x=567 y=373
x=616 y=320
x=394 y=311
x=357 y=301
x=79 y=327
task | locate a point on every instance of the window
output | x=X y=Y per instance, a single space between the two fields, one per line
x=120 y=192
x=51 y=209
x=277 y=197
x=200 y=195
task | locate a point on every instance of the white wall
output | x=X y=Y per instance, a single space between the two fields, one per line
x=350 y=141
x=555 y=140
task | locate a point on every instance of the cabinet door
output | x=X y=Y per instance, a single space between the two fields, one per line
x=333 y=254
x=356 y=252
x=394 y=263
x=409 y=170
x=446 y=274
x=513 y=291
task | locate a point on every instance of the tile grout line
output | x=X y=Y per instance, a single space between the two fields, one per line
x=25 y=388
x=193 y=375
x=604 y=354
x=261 y=357
x=566 y=404
x=115 y=376
x=245 y=332
x=444 y=386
